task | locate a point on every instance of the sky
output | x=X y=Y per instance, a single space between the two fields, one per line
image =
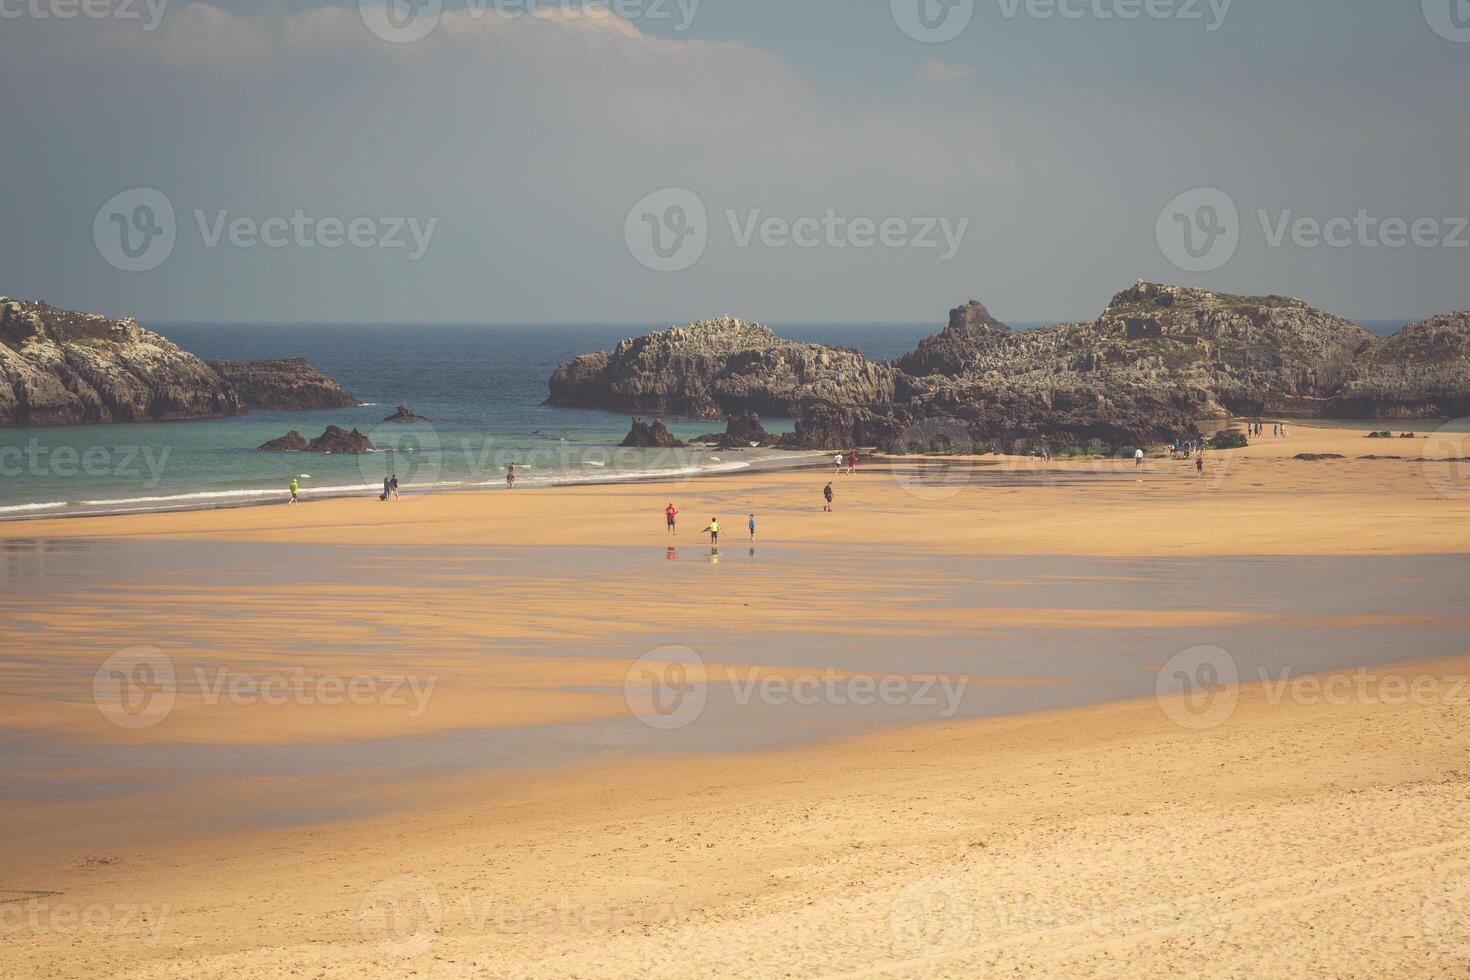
x=662 y=161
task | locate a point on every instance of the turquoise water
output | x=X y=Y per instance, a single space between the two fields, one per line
x=482 y=386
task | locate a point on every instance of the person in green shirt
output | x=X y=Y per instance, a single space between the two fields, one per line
x=714 y=530
x=295 y=490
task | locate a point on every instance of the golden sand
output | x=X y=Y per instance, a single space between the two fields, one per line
x=1303 y=835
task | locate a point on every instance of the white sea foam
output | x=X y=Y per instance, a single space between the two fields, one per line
x=206 y=499
x=26 y=508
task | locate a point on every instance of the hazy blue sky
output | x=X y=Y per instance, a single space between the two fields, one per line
x=1046 y=141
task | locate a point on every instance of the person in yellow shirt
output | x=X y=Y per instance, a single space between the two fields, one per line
x=714 y=530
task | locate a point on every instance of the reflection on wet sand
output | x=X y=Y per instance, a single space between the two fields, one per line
x=545 y=686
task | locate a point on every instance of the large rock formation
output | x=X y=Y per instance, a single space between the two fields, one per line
x=1248 y=353
x=1157 y=360
x=1423 y=371
x=59 y=367
x=286 y=384
x=718 y=368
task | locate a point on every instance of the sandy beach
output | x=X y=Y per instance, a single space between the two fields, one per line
x=500 y=801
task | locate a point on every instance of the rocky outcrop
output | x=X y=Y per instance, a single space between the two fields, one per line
x=719 y=368
x=741 y=432
x=340 y=441
x=291 y=442
x=983 y=419
x=972 y=332
x=61 y=367
x=286 y=384
x=1255 y=354
x=1156 y=361
x=1423 y=371
x=650 y=435
x=1229 y=439
x=58 y=367
x=334 y=440
x=406 y=416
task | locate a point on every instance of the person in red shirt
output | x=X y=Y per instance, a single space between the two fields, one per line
x=670 y=513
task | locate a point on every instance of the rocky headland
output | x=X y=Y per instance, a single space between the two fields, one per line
x=1155 y=362
x=285 y=384
x=61 y=367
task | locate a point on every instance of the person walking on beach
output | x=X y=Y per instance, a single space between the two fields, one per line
x=295 y=491
x=827 y=495
x=752 y=527
x=510 y=477
x=1199 y=464
x=852 y=463
x=671 y=513
x=837 y=461
x=1137 y=458
x=714 y=531
x=387 y=489
x=393 y=486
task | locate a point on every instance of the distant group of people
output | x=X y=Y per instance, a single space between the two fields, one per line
x=671 y=521
x=845 y=461
x=390 y=488
x=1278 y=429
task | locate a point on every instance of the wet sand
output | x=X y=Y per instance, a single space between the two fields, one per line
x=559 y=833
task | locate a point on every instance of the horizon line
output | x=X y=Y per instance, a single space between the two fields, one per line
x=645 y=323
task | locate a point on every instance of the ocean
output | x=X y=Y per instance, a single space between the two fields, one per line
x=481 y=385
